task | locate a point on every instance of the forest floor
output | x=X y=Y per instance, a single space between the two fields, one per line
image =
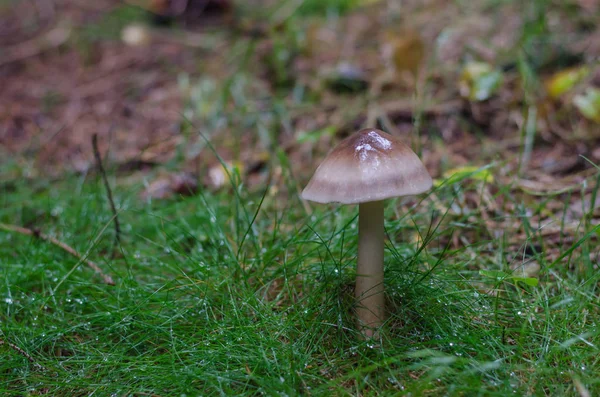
x=221 y=280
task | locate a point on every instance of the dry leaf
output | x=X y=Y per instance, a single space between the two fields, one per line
x=183 y=184
x=404 y=51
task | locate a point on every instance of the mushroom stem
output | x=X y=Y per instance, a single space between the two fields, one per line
x=369 y=271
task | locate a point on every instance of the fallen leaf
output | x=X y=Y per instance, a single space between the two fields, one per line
x=479 y=81
x=404 y=51
x=183 y=184
x=221 y=174
x=563 y=81
x=589 y=104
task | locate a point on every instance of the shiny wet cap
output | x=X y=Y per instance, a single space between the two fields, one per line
x=369 y=165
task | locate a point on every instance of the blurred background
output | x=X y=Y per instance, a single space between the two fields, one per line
x=464 y=82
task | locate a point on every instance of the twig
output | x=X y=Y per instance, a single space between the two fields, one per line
x=36 y=233
x=23 y=353
x=53 y=38
x=108 y=192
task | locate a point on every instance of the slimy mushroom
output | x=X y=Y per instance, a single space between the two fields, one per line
x=365 y=169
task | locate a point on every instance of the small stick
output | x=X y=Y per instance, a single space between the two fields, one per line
x=23 y=353
x=108 y=192
x=53 y=38
x=36 y=233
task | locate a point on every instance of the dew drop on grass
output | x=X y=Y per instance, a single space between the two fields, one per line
x=8 y=300
x=213 y=219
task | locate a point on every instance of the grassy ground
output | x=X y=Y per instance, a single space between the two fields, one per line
x=233 y=294
x=492 y=280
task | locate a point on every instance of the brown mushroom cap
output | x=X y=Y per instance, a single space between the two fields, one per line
x=370 y=165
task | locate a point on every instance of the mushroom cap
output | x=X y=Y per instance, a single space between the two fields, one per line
x=369 y=165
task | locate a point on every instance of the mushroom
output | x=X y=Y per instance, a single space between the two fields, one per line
x=365 y=169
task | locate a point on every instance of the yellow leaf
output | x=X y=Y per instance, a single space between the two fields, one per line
x=563 y=81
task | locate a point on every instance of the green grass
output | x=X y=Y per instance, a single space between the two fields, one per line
x=209 y=302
